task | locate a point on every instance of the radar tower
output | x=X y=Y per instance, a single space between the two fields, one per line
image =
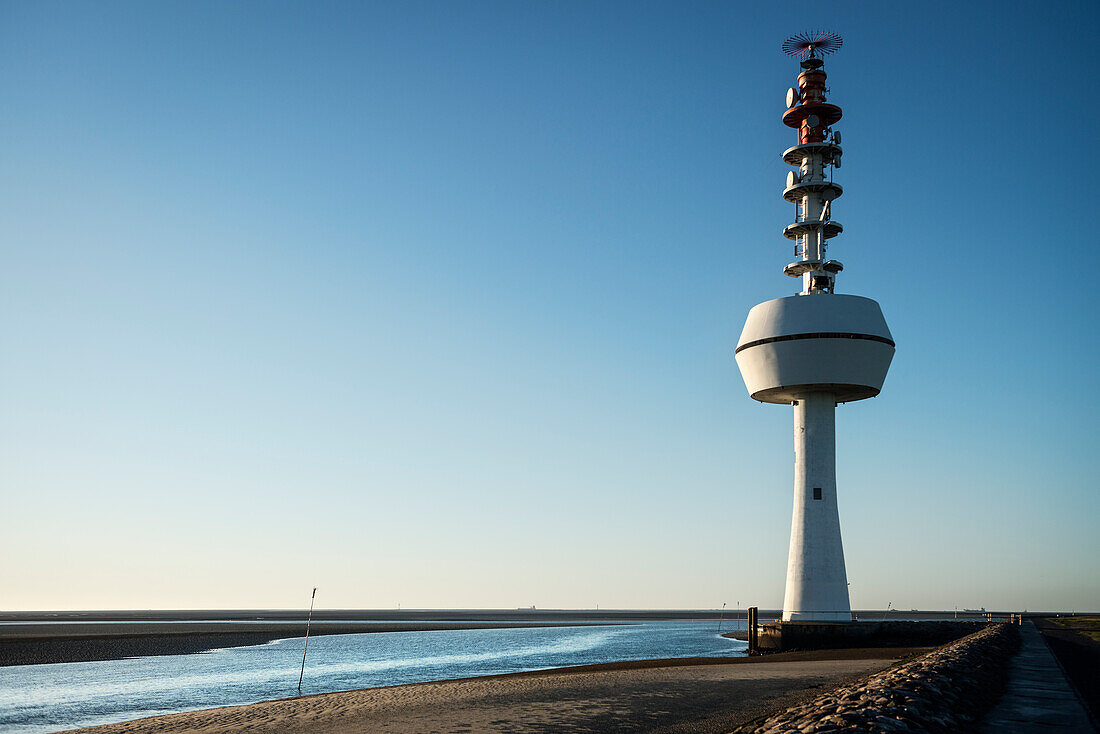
x=816 y=349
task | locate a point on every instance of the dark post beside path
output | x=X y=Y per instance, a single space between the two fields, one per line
x=306 y=647
x=752 y=630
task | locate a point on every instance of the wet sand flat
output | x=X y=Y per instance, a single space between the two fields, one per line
x=693 y=695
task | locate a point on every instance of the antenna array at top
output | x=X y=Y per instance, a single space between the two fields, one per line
x=811 y=43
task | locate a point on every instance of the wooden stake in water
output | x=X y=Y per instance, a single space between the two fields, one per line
x=720 y=617
x=304 y=649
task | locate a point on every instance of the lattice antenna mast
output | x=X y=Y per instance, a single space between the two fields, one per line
x=811 y=188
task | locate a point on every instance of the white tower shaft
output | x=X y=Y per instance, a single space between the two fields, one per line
x=817 y=585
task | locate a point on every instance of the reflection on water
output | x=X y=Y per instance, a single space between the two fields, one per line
x=49 y=698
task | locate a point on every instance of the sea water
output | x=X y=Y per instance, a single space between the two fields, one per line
x=48 y=698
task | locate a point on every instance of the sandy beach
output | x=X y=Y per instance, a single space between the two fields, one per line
x=689 y=695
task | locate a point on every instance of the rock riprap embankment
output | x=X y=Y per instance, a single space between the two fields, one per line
x=945 y=690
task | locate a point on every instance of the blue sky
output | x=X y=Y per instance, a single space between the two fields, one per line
x=435 y=303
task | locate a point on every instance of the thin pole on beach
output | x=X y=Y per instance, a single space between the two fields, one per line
x=306 y=647
x=720 y=617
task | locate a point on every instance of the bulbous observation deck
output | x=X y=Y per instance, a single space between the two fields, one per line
x=827 y=342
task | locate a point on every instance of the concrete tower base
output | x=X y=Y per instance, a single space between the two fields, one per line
x=817 y=584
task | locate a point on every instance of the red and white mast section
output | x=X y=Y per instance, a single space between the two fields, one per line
x=811 y=188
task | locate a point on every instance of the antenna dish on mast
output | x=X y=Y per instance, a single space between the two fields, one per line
x=809 y=44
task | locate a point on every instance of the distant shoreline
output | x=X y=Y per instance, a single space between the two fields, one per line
x=462 y=615
x=374 y=615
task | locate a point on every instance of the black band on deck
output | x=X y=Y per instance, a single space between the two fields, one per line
x=816 y=335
